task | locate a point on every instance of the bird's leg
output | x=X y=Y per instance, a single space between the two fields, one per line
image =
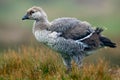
x=67 y=63
x=80 y=66
x=79 y=63
x=78 y=60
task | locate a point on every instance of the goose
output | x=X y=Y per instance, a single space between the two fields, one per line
x=70 y=37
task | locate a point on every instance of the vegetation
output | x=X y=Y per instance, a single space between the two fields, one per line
x=39 y=63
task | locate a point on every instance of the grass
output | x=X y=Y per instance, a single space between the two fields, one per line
x=39 y=63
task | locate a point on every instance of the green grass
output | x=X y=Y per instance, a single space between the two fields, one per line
x=39 y=63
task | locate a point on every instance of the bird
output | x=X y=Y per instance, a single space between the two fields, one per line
x=70 y=37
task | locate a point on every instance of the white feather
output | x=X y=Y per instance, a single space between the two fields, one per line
x=54 y=34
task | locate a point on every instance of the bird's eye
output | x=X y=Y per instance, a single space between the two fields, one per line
x=31 y=12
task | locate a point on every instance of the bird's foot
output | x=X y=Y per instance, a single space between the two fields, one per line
x=80 y=66
x=68 y=70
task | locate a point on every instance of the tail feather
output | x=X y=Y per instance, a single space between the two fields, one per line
x=98 y=30
x=97 y=37
x=107 y=42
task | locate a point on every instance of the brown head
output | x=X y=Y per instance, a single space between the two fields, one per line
x=35 y=13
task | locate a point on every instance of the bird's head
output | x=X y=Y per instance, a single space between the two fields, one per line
x=35 y=13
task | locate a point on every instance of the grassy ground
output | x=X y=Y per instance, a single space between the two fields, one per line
x=40 y=63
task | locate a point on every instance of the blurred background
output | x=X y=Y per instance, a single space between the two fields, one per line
x=100 y=13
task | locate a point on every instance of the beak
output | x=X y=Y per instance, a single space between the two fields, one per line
x=25 y=17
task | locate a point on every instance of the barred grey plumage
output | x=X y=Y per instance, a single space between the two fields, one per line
x=72 y=38
x=68 y=48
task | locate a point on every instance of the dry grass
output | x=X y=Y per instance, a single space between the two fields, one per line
x=39 y=63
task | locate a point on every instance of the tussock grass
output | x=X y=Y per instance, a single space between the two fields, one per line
x=39 y=63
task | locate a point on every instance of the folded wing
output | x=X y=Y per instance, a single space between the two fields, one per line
x=71 y=28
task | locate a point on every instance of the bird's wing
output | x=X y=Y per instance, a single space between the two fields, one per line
x=71 y=28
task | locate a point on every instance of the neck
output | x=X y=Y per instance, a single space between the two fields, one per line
x=41 y=24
